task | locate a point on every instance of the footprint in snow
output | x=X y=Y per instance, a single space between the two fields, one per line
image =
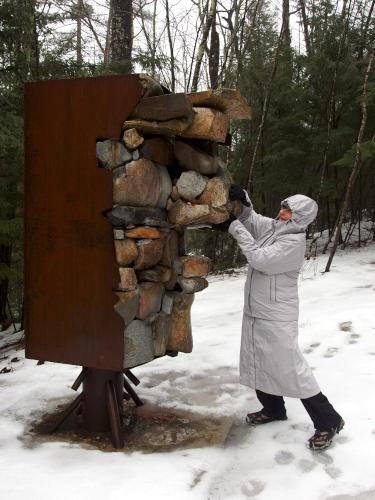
x=306 y=465
x=333 y=472
x=331 y=351
x=323 y=458
x=301 y=426
x=252 y=487
x=284 y=457
x=315 y=345
x=307 y=351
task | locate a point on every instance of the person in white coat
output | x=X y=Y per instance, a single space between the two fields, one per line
x=270 y=360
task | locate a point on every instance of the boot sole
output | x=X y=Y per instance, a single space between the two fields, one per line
x=328 y=443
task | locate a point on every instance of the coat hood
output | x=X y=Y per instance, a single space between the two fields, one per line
x=303 y=208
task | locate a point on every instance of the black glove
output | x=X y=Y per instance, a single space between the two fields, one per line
x=237 y=193
x=224 y=226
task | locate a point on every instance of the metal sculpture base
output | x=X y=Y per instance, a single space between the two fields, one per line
x=101 y=401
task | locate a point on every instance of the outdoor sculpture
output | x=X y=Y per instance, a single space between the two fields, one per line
x=166 y=176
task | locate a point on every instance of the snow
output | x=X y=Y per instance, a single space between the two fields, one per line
x=266 y=463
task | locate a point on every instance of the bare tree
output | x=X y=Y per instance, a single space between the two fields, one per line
x=357 y=161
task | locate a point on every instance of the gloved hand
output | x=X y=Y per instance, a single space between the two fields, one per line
x=237 y=193
x=224 y=226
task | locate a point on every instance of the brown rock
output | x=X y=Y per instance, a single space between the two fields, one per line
x=164 y=107
x=128 y=279
x=180 y=338
x=132 y=138
x=156 y=274
x=195 y=266
x=126 y=252
x=158 y=150
x=229 y=101
x=127 y=306
x=141 y=183
x=191 y=158
x=208 y=124
x=161 y=327
x=215 y=193
x=149 y=253
x=192 y=285
x=184 y=214
x=138 y=344
x=151 y=295
x=151 y=87
x=218 y=215
x=144 y=232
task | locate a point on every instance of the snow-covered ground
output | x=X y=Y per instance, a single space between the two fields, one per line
x=266 y=463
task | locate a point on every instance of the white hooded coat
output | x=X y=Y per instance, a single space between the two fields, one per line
x=270 y=358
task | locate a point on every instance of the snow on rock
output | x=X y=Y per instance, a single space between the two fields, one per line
x=267 y=463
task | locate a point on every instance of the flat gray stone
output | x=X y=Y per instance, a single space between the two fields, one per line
x=112 y=153
x=138 y=344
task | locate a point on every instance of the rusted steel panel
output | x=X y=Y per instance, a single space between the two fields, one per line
x=70 y=267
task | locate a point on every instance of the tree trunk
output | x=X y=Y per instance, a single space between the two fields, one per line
x=211 y=14
x=214 y=55
x=171 y=50
x=5 y=259
x=121 y=35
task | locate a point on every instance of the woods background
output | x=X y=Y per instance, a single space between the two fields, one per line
x=305 y=66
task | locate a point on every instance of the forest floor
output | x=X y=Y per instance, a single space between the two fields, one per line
x=199 y=393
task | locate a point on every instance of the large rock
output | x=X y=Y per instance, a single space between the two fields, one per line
x=215 y=193
x=138 y=344
x=191 y=184
x=229 y=101
x=161 y=328
x=132 y=138
x=141 y=183
x=112 y=153
x=190 y=158
x=184 y=214
x=128 y=279
x=150 y=86
x=149 y=253
x=218 y=215
x=158 y=150
x=194 y=266
x=126 y=252
x=192 y=285
x=124 y=216
x=180 y=338
x=150 y=299
x=156 y=274
x=167 y=304
x=144 y=232
x=127 y=306
x=164 y=107
x=208 y=124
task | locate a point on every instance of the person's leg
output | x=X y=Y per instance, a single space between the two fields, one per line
x=322 y=413
x=327 y=421
x=273 y=406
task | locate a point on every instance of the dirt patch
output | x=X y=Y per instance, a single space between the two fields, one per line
x=147 y=428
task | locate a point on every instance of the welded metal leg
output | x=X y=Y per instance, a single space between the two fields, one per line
x=131 y=377
x=129 y=389
x=114 y=416
x=65 y=414
x=81 y=377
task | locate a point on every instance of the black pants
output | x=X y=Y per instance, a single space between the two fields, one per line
x=322 y=413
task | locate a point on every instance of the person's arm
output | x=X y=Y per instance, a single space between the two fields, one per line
x=255 y=223
x=286 y=254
